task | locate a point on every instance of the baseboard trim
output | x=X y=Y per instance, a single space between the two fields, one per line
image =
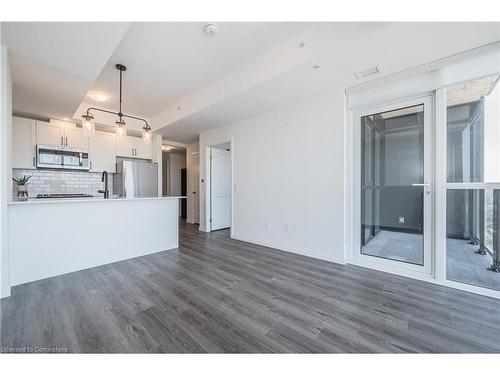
x=288 y=249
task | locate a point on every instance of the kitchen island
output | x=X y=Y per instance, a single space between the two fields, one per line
x=50 y=237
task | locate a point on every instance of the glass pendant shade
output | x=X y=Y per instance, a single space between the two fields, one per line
x=120 y=128
x=88 y=125
x=146 y=134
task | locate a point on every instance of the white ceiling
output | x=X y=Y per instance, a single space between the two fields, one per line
x=185 y=82
x=384 y=45
x=168 y=61
x=53 y=64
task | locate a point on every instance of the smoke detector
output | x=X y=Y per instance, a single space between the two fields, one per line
x=211 y=29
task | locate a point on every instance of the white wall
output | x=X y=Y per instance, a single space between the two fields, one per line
x=287 y=170
x=193 y=167
x=5 y=166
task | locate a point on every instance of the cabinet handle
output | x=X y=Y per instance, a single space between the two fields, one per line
x=90 y=165
x=62 y=141
x=66 y=141
x=34 y=163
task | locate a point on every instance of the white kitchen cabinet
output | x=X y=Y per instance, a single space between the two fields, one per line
x=61 y=133
x=125 y=146
x=103 y=152
x=133 y=147
x=23 y=143
x=143 y=151
x=74 y=138
x=48 y=134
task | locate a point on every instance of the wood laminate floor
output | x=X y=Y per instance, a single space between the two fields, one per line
x=214 y=294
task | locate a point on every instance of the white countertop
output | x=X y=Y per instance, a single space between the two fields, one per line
x=86 y=200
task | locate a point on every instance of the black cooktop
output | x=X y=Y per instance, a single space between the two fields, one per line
x=64 y=196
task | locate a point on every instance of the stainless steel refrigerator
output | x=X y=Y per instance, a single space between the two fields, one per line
x=134 y=179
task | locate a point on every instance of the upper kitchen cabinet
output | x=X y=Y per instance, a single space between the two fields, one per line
x=70 y=136
x=103 y=152
x=61 y=133
x=133 y=147
x=125 y=146
x=142 y=150
x=74 y=138
x=49 y=134
x=23 y=143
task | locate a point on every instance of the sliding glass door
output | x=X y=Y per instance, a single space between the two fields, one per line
x=395 y=185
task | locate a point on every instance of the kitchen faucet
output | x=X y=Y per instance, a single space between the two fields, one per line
x=104 y=178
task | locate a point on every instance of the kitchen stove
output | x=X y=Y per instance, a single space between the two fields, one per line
x=70 y=195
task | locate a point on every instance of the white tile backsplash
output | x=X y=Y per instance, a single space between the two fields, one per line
x=45 y=181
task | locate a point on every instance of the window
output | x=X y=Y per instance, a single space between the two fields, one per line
x=473 y=189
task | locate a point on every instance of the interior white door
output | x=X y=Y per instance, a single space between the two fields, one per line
x=220 y=188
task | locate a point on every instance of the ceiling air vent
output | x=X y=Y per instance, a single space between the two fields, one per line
x=367 y=72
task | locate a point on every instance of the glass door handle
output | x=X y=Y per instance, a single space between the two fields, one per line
x=426 y=185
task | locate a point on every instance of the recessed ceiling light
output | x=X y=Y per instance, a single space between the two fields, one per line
x=211 y=29
x=98 y=96
x=301 y=45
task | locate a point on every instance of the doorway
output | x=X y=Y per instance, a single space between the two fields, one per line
x=394 y=177
x=220 y=187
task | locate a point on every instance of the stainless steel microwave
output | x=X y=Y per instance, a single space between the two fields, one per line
x=61 y=157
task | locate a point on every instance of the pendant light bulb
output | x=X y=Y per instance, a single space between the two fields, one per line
x=146 y=134
x=120 y=128
x=88 y=125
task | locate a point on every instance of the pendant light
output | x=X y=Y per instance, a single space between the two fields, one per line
x=88 y=125
x=88 y=122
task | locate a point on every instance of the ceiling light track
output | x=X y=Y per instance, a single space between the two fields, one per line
x=88 y=122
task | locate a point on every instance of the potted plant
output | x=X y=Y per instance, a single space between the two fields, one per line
x=22 y=186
